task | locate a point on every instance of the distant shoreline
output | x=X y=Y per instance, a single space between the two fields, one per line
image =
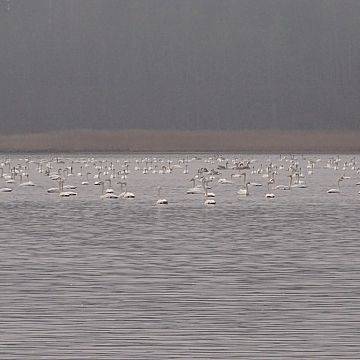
x=152 y=141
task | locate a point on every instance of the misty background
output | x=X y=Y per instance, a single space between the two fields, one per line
x=179 y=64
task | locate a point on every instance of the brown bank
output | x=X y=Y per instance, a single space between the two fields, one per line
x=192 y=141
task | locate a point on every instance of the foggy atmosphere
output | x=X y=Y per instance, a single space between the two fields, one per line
x=179 y=65
x=179 y=179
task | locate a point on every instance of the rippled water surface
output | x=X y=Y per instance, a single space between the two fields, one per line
x=87 y=278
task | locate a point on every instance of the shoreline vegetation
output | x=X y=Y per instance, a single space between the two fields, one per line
x=256 y=141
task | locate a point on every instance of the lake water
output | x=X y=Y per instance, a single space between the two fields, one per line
x=249 y=278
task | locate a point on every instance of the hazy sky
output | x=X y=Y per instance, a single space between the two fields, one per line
x=179 y=64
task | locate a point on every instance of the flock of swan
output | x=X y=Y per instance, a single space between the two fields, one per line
x=67 y=177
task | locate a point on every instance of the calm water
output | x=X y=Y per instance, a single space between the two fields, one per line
x=85 y=278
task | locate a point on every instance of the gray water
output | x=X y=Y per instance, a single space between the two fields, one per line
x=85 y=278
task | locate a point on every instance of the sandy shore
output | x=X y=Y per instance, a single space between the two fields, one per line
x=192 y=141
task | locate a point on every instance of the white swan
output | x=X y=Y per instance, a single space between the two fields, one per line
x=126 y=194
x=109 y=190
x=226 y=181
x=161 y=201
x=107 y=195
x=285 y=187
x=298 y=183
x=26 y=183
x=208 y=200
x=63 y=193
x=129 y=195
x=255 y=184
x=244 y=191
x=336 y=190
x=53 y=190
x=70 y=187
x=245 y=187
x=67 y=194
x=206 y=188
x=270 y=195
x=55 y=177
x=6 y=190
x=98 y=176
x=86 y=182
x=195 y=190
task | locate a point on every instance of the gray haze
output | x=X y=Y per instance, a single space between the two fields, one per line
x=183 y=64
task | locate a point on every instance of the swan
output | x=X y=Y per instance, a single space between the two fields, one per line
x=161 y=201
x=107 y=195
x=63 y=193
x=222 y=167
x=285 y=187
x=27 y=183
x=97 y=176
x=210 y=195
x=53 y=190
x=109 y=190
x=86 y=182
x=251 y=183
x=209 y=200
x=245 y=191
x=195 y=189
x=129 y=195
x=226 y=181
x=299 y=184
x=5 y=189
x=55 y=177
x=205 y=185
x=126 y=194
x=336 y=190
x=270 y=195
x=67 y=194
x=70 y=187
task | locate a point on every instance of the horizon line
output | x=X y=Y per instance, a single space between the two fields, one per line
x=144 y=140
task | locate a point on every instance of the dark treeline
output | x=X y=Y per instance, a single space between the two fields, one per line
x=171 y=64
